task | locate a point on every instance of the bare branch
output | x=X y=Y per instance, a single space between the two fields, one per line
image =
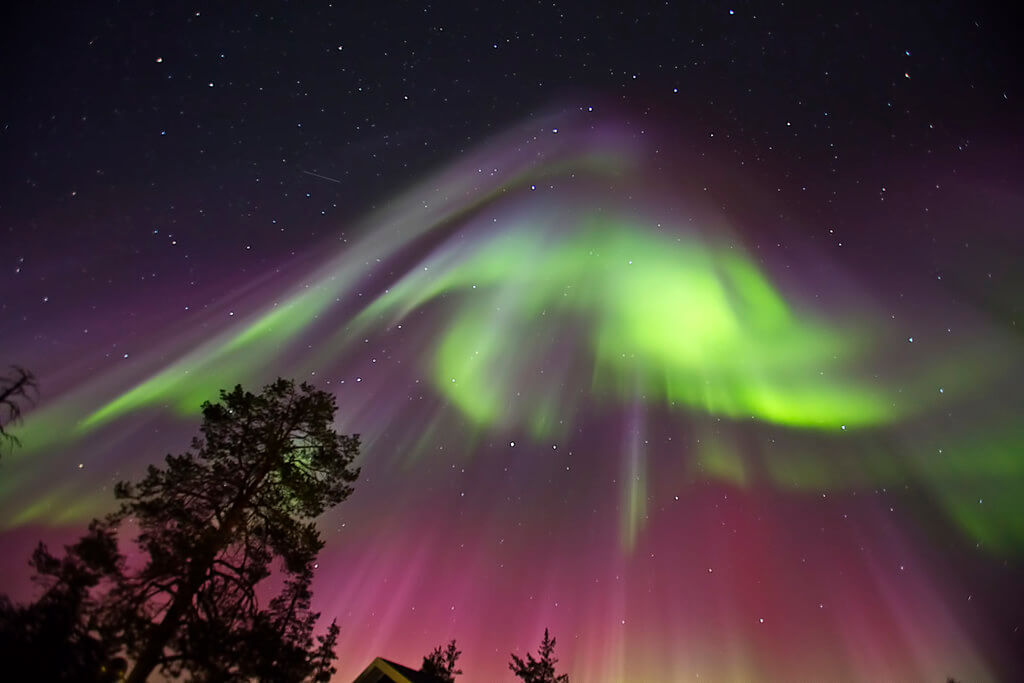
x=16 y=388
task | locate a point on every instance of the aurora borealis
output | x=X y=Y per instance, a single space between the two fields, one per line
x=705 y=420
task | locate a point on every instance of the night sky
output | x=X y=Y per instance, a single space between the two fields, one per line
x=692 y=333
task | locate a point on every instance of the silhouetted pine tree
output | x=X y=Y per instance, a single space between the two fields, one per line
x=440 y=663
x=212 y=524
x=539 y=670
x=57 y=638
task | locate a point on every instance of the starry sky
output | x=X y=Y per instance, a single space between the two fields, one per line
x=690 y=331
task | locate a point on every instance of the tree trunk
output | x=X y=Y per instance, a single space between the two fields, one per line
x=150 y=656
x=154 y=650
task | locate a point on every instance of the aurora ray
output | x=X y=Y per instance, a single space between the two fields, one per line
x=563 y=316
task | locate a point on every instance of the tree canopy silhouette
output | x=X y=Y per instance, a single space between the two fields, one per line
x=16 y=388
x=539 y=670
x=56 y=638
x=440 y=663
x=211 y=525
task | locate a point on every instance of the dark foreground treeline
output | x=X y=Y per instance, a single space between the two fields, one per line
x=209 y=525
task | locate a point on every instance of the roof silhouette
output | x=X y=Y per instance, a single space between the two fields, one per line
x=383 y=670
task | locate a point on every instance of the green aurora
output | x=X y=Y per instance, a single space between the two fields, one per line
x=536 y=326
